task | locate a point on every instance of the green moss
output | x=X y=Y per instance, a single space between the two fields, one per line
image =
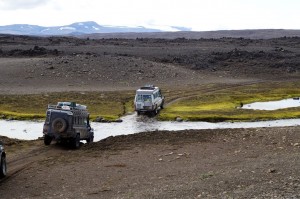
x=109 y=105
x=20 y=116
x=223 y=104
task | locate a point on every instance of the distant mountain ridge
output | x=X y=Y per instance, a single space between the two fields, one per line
x=95 y=31
x=79 y=28
x=247 y=34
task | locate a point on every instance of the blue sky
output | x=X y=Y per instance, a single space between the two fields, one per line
x=199 y=15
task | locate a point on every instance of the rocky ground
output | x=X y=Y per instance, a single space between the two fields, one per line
x=35 y=65
x=228 y=163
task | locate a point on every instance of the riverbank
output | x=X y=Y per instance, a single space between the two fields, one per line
x=210 y=103
x=32 y=130
x=259 y=162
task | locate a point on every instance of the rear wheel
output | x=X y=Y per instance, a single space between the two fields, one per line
x=76 y=142
x=47 y=140
x=162 y=105
x=3 y=167
x=154 y=112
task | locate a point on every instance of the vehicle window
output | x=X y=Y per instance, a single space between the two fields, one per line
x=144 y=98
x=139 y=98
x=147 y=98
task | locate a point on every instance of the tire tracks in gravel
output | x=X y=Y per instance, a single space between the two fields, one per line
x=24 y=160
x=212 y=90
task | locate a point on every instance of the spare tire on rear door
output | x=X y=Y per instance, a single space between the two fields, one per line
x=59 y=125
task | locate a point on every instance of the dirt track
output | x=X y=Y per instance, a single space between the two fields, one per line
x=239 y=163
x=236 y=163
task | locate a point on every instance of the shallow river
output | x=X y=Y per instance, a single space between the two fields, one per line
x=273 y=105
x=29 y=130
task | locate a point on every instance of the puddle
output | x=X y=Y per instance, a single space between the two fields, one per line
x=29 y=130
x=273 y=105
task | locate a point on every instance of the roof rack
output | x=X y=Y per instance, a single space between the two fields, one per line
x=67 y=106
x=148 y=87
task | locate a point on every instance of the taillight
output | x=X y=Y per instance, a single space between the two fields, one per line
x=45 y=129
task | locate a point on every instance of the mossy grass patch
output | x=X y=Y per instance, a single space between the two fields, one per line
x=109 y=105
x=223 y=104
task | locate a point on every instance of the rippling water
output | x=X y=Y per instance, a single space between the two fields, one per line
x=273 y=105
x=29 y=130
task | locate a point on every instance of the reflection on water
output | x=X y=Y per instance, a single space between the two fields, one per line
x=26 y=130
x=132 y=124
x=273 y=105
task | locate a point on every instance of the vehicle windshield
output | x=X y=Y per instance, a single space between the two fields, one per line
x=143 y=98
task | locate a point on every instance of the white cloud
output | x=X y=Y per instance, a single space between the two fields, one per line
x=195 y=14
x=21 y=4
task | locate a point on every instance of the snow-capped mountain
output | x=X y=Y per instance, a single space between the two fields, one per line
x=72 y=29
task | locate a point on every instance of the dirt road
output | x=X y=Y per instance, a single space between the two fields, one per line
x=229 y=163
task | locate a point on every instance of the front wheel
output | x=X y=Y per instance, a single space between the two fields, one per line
x=76 y=142
x=90 y=139
x=3 y=167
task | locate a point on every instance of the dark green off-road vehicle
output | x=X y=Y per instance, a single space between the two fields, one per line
x=67 y=122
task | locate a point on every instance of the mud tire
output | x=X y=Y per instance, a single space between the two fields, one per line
x=154 y=112
x=47 y=140
x=90 y=139
x=3 y=168
x=162 y=105
x=76 y=142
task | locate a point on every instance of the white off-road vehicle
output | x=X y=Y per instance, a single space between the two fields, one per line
x=148 y=99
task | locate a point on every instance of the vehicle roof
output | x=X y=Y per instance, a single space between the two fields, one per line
x=148 y=89
x=83 y=113
x=65 y=107
x=144 y=90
